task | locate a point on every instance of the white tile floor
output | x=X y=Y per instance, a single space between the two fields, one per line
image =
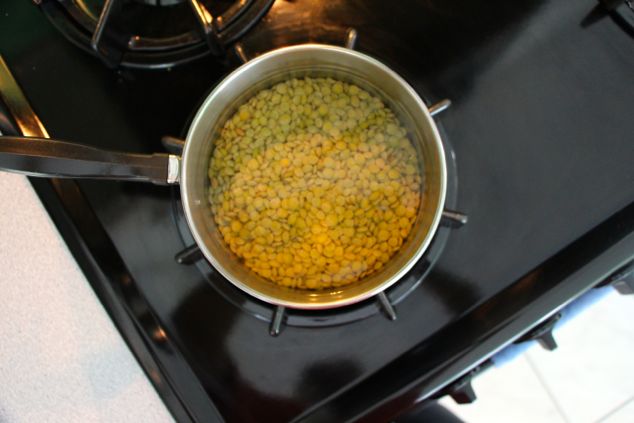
x=588 y=379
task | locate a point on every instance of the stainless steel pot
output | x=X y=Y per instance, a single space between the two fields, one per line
x=43 y=157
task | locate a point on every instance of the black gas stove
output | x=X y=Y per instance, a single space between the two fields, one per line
x=540 y=138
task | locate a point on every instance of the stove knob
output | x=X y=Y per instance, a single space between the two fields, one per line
x=543 y=333
x=462 y=392
x=623 y=280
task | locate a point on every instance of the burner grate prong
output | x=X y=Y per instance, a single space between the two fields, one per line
x=189 y=255
x=172 y=144
x=239 y=49
x=439 y=107
x=453 y=219
x=386 y=306
x=351 y=38
x=208 y=26
x=276 y=322
x=103 y=41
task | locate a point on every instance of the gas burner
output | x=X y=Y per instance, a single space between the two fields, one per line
x=383 y=302
x=153 y=34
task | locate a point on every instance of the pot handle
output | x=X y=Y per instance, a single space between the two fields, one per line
x=60 y=159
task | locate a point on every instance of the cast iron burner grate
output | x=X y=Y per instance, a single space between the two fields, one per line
x=153 y=34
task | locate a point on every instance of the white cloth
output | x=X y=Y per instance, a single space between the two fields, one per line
x=61 y=358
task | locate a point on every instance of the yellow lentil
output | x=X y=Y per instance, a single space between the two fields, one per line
x=314 y=183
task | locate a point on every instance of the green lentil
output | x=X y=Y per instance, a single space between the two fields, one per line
x=314 y=183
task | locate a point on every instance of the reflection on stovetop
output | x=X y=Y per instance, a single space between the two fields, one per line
x=621 y=11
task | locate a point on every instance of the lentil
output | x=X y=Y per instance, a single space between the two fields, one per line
x=314 y=183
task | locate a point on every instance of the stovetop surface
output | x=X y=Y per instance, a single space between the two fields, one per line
x=541 y=124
